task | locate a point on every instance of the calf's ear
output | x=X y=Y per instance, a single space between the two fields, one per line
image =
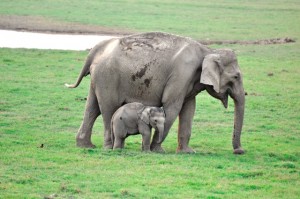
x=144 y=115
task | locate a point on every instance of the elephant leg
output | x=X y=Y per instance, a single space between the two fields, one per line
x=92 y=111
x=107 y=113
x=185 y=126
x=119 y=142
x=146 y=141
x=123 y=143
x=155 y=146
x=171 y=112
x=118 y=134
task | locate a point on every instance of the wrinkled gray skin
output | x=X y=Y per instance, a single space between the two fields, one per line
x=159 y=69
x=134 y=118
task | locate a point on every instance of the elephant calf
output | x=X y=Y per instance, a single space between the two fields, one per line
x=134 y=118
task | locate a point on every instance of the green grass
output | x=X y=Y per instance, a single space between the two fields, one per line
x=202 y=19
x=36 y=109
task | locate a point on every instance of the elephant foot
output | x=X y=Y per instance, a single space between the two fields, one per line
x=146 y=148
x=185 y=150
x=117 y=149
x=84 y=144
x=238 y=151
x=157 y=148
x=108 y=146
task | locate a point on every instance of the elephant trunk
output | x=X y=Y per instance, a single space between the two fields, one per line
x=239 y=108
x=112 y=133
x=160 y=129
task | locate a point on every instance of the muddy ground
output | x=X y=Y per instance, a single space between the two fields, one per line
x=40 y=24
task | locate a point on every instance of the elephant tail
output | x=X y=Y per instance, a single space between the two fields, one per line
x=98 y=49
x=84 y=72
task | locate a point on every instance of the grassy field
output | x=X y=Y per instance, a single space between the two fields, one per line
x=39 y=116
x=215 y=19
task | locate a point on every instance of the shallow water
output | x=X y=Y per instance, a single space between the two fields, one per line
x=16 y=39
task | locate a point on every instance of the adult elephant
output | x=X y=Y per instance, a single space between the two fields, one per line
x=159 y=69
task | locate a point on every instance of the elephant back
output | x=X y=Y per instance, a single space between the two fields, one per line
x=154 y=41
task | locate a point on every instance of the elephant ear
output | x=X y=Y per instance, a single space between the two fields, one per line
x=211 y=71
x=144 y=115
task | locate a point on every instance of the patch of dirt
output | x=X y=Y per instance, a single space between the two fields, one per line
x=41 y=24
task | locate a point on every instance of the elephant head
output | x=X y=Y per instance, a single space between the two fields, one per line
x=155 y=117
x=222 y=76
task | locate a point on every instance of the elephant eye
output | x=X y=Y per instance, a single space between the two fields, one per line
x=237 y=76
x=155 y=121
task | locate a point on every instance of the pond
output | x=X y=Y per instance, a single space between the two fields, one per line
x=17 y=39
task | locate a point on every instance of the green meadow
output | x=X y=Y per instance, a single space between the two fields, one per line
x=39 y=117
